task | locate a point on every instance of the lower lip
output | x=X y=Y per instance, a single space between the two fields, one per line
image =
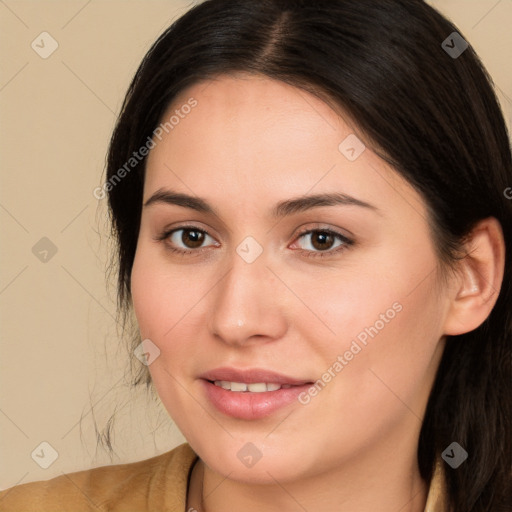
x=247 y=405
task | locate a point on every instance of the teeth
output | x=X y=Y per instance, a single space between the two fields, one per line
x=257 y=387
x=238 y=386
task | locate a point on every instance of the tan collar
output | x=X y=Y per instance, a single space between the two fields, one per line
x=437 y=496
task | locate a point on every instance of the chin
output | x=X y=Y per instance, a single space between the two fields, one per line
x=252 y=463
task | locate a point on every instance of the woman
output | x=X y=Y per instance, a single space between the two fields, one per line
x=314 y=235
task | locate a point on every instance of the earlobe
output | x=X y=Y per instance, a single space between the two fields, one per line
x=479 y=279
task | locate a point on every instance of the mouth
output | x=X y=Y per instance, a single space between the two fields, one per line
x=253 y=387
x=251 y=394
x=247 y=377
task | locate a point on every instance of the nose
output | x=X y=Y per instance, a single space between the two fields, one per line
x=247 y=308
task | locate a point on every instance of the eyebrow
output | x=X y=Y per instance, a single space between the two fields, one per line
x=281 y=209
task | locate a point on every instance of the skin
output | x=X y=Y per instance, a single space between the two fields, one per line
x=250 y=143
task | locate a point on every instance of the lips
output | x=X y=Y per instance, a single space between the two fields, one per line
x=241 y=402
x=251 y=376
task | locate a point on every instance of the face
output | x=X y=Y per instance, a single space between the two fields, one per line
x=251 y=280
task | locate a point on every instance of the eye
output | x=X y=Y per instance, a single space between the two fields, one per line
x=323 y=241
x=186 y=239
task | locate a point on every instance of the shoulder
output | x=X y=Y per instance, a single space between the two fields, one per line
x=159 y=482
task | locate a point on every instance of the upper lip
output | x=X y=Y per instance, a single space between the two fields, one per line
x=251 y=376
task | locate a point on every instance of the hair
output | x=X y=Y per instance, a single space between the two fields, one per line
x=434 y=118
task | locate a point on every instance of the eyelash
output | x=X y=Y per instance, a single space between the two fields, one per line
x=347 y=242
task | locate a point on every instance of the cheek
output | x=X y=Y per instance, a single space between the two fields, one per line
x=166 y=301
x=161 y=302
x=161 y=294
x=380 y=362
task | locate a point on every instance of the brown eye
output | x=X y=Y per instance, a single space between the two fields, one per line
x=192 y=238
x=187 y=239
x=322 y=240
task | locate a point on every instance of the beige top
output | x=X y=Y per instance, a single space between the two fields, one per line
x=135 y=487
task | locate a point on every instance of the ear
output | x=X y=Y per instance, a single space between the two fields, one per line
x=478 y=282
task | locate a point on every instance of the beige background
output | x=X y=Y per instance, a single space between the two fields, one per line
x=60 y=350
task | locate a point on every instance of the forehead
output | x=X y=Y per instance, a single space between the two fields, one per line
x=253 y=136
x=254 y=112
